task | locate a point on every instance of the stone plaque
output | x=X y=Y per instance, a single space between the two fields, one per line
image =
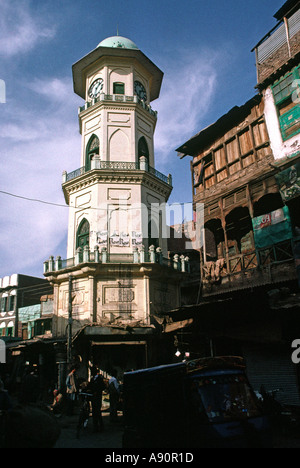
x=121 y=294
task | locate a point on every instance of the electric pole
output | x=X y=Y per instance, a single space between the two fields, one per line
x=70 y=320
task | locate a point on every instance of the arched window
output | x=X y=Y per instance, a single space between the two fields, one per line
x=83 y=234
x=239 y=231
x=143 y=149
x=214 y=240
x=91 y=149
x=267 y=203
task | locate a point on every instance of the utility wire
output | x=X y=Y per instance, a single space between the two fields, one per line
x=33 y=199
x=36 y=200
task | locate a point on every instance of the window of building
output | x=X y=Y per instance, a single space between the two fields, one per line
x=143 y=149
x=204 y=173
x=233 y=154
x=287 y=99
x=7 y=303
x=11 y=303
x=83 y=234
x=91 y=149
x=10 y=329
x=119 y=88
x=3 y=304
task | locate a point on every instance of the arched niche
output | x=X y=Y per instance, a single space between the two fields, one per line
x=119 y=146
x=239 y=231
x=267 y=204
x=214 y=240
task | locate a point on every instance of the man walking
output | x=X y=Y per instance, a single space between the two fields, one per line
x=71 y=391
x=96 y=388
x=114 y=396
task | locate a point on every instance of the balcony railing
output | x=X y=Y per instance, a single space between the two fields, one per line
x=84 y=256
x=118 y=98
x=118 y=166
x=260 y=259
x=277 y=37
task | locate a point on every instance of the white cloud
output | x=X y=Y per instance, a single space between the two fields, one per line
x=53 y=89
x=186 y=95
x=37 y=145
x=20 y=30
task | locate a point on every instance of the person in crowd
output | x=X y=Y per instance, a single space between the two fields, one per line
x=96 y=387
x=114 y=395
x=30 y=387
x=71 y=390
x=57 y=405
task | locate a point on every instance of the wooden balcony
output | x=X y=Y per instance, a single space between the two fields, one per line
x=278 y=47
x=271 y=265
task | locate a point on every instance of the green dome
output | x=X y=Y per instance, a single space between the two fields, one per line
x=118 y=42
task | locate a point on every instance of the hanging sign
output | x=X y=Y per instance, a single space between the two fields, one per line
x=115 y=239
x=124 y=239
x=102 y=238
x=289 y=182
x=137 y=238
x=272 y=228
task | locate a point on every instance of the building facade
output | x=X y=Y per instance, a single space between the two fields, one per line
x=19 y=292
x=117 y=278
x=245 y=172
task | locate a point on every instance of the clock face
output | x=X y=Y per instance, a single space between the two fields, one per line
x=140 y=91
x=95 y=88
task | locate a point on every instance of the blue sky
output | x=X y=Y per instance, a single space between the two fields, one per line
x=203 y=48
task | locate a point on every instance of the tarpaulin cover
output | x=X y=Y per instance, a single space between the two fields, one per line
x=272 y=228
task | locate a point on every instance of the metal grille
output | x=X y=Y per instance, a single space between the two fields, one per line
x=278 y=38
x=294 y=24
x=272 y=43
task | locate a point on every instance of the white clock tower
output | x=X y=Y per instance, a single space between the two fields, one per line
x=117 y=256
x=112 y=193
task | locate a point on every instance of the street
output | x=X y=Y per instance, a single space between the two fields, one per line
x=111 y=437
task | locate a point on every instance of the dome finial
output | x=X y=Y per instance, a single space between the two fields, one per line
x=118 y=42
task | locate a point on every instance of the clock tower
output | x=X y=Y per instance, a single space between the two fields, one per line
x=117 y=256
x=118 y=83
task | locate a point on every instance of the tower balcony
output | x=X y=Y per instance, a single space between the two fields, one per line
x=118 y=166
x=103 y=257
x=118 y=98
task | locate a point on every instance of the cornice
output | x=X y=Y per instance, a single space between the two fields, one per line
x=103 y=176
x=103 y=270
x=112 y=105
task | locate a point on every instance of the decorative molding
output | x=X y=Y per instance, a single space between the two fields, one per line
x=108 y=177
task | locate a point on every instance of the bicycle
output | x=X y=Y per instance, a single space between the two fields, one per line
x=84 y=412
